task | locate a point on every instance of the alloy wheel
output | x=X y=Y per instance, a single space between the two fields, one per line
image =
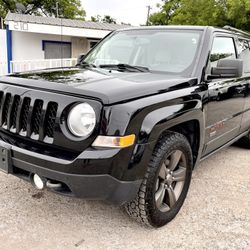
x=170 y=181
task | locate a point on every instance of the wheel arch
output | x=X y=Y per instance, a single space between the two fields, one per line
x=191 y=130
x=190 y=124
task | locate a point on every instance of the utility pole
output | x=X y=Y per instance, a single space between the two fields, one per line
x=149 y=8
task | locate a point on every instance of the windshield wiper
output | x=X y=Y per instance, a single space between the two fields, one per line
x=123 y=67
x=86 y=65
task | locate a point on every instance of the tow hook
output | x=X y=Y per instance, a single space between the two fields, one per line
x=53 y=185
x=41 y=183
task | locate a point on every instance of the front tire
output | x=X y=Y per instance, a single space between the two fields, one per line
x=166 y=183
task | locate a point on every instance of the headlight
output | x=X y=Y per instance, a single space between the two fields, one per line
x=82 y=120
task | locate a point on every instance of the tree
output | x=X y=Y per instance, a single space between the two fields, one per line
x=108 y=19
x=67 y=8
x=104 y=19
x=199 y=12
x=204 y=12
x=167 y=10
x=238 y=13
x=96 y=19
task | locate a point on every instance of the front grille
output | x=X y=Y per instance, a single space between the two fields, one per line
x=28 y=117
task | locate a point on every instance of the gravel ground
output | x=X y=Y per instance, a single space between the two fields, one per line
x=216 y=214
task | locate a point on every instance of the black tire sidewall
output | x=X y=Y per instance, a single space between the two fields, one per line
x=158 y=218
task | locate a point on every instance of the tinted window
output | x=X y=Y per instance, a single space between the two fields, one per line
x=223 y=47
x=244 y=54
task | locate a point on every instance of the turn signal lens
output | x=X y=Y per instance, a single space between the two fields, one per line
x=114 y=142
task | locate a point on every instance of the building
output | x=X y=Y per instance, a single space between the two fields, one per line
x=3 y=53
x=35 y=42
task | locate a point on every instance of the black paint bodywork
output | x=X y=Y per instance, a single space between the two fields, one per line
x=210 y=113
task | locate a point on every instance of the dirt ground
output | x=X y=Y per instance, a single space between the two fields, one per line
x=216 y=214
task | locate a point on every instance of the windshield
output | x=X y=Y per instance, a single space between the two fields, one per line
x=171 y=51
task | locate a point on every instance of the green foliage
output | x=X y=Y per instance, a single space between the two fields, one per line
x=96 y=19
x=196 y=12
x=67 y=8
x=204 y=12
x=105 y=19
x=217 y=57
x=2 y=11
x=108 y=19
x=167 y=10
x=238 y=14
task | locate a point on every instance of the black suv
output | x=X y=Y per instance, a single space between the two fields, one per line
x=131 y=121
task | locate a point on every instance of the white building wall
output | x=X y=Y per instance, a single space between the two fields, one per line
x=79 y=46
x=3 y=53
x=28 y=46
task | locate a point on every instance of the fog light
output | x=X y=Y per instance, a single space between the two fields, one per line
x=38 y=182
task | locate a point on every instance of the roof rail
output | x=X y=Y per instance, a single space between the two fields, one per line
x=227 y=27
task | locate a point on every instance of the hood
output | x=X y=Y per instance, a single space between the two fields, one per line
x=103 y=85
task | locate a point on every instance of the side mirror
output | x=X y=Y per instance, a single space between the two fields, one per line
x=227 y=68
x=80 y=58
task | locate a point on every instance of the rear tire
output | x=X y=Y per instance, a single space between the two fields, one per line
x=246 y=141
x=166 y=183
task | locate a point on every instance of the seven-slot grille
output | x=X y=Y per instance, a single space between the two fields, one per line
x=28 y=117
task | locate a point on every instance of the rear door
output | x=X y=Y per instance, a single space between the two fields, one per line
x=226 y=101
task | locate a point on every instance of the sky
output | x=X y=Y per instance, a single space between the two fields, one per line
x=127 y=11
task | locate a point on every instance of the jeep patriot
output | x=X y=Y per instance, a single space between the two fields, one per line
x=132 y=119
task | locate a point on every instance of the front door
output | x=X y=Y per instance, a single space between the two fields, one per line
x=225 y=101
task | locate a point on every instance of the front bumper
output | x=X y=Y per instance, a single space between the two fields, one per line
x=70 y=175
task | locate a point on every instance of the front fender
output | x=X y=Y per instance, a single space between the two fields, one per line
x=147 y=118
x=156 y=122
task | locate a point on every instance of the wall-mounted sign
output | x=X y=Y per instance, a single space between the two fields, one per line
x=21 y=26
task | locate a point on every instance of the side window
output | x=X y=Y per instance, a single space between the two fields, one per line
x=244 y=54
x=223 y=47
